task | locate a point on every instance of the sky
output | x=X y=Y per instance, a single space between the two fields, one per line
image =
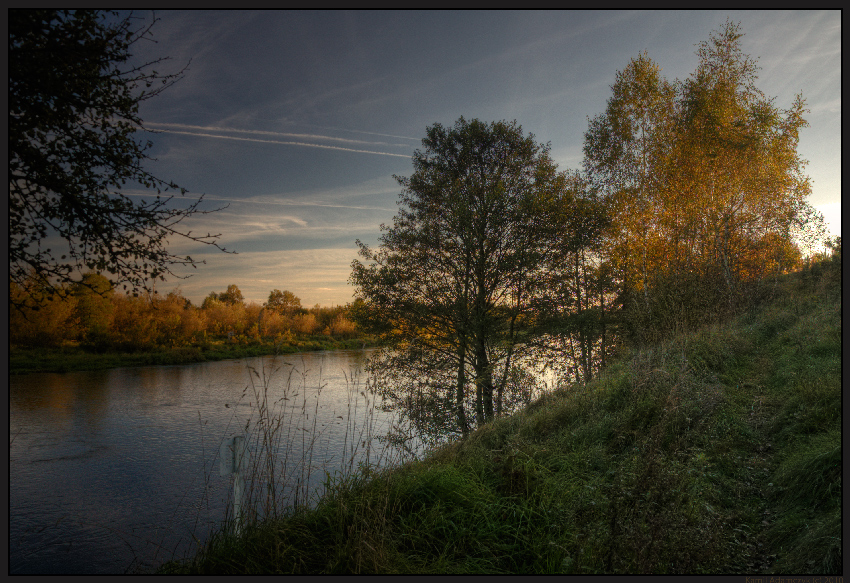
x=299 y=120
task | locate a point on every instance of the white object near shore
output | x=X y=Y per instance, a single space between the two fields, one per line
x=233 y=460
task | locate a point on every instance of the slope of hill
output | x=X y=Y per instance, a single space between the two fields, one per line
x=717 y=451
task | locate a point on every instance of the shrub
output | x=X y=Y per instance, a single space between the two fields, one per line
x=343 y=327
x=48 y=326
x=305 y=324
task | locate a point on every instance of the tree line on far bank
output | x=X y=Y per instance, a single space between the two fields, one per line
x=91 y=314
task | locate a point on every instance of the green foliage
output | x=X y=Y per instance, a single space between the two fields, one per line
x=284 y=302
x=73 y=116
x=457 y=280
x=807 y=527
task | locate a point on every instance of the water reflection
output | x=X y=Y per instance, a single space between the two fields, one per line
x=118 y=468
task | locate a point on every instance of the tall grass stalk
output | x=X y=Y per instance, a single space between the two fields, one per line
x=284 y=441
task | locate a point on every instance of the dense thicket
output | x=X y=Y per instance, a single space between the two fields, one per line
x=91 y=314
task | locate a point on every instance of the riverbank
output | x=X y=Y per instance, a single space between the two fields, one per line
x=76 y=358
x=716 y=451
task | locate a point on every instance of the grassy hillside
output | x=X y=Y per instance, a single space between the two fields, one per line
x=718 y=451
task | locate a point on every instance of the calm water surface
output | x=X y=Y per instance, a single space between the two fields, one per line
x=118 y=470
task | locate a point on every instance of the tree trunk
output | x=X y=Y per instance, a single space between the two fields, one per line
x=479 y=403
x=583 y=336
x=483 y=380
x=461 y=382
x=503 y=382
x=602 y=319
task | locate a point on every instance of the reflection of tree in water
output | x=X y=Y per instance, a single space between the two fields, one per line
x=419 y=386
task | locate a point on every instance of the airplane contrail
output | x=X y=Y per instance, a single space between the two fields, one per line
x=286 y=143
x=268 y=133
x=301 y=203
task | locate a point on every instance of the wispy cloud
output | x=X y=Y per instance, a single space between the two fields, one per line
x=269 y=133
x=373 y=133
x=278 y=202
x=314 y=275
x=350 y=196
x=286 y=143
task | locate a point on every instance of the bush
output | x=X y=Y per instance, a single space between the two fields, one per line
x=305 y=324
x=49 y=326
x=343 y=327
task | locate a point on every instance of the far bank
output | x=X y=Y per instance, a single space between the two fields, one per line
x=77 y=358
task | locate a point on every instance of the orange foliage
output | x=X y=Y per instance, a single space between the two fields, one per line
x=132 y=327
x=41 y=322
x=305 y=324
x=343 y=327
x=128 y=323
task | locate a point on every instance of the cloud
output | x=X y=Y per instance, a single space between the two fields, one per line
x=314 y=275
x=286 y=143
x=268 y=133
x=826 y=107
x=246 y=228
x=355 y=196
x=282 y=202
x=265 y=223
x=372 y=133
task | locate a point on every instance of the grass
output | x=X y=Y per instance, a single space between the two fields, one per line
x=716 y=451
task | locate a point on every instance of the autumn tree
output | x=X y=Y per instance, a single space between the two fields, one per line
x=577 y=305
x=737 y=155
x=283 y=302
x=134 y=327
x=94 y=307
x=176 y=320
x=232 y=296
x=43 y=318
x=454 y=279
x=74 y=95
x=706 y=187
x=624 y=147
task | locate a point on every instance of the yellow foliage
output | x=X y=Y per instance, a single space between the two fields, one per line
x=48 y=326
x=305 y=324
x=342 y=326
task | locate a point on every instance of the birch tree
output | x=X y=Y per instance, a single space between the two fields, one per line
x=707 y=188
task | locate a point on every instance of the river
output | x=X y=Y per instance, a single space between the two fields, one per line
x=118 y=471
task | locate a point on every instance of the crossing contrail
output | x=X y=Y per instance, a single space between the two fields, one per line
x=184 y=127
x=286 y=143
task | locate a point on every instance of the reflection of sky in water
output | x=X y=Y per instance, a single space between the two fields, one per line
x=105 y=466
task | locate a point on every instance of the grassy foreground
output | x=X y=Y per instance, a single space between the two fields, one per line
x=718 y=451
